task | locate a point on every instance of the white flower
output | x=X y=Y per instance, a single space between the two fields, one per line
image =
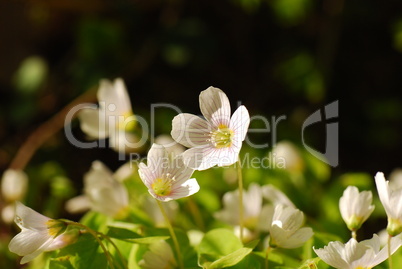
x=167 y=179
x=14 y=185
x=256 y=215
x=38 y=234
x=275 y=196
x=160 y=255
x=114 y=117
x=252 y=207
x=285 y=231
x=356 y=255
x=287 y=156
x=103 y=193
x=216 y=140
x=391 y=199
x=355 y=207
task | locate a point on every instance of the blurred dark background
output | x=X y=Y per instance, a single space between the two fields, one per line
x=278 y=57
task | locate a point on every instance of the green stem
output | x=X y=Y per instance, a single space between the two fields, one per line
x=389 y=252
x=266 y=256
x=117 y=249
x=196 y=213
x=95 y=235
x=241 y=206
x=172 y=234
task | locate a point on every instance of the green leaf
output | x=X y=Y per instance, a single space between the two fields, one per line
x=133 y=237
x=220 y=248
x=84 y=254
x=234 y=257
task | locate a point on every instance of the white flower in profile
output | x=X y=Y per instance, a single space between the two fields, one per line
x=166 y=178
x=14 y=184
x=252 y=207
x=391 y=200
x=287 y=156
x=355 y=207
x=39 y=234
x=256 y=214
x=113 y=118
x=285 y=230
x=103 y=193
x=215 y=140
x=159 y=255
x=356 y=255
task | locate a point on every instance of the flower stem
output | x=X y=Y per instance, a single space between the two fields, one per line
x=266 y=256
x=354 y=235
x=389 y=252
x=46 y=130
x=241 y=206
x=172 y=234
x=116 y=248
x=95 y=235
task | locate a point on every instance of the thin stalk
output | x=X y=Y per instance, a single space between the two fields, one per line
x=172 y=234
x=95 y=235
x=266 y=256
x=354 y=235
x=117 y=249
x=46 y=130
x=241 y=206
x=389 y=252
x=196 y=213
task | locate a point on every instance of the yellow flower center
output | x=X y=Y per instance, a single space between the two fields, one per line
x=55 y=227
x=163 y=186
x=223 y=137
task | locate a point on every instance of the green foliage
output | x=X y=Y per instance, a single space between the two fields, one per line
x=220 y=248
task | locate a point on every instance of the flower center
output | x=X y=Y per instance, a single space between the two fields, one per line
x=223 y=137
x=163 y=186
x=55 y=227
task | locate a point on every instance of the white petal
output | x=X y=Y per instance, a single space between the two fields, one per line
x=146 y=175
x=383 y=254
x=186 y=189
x=239 y=122
x=78 y=204
x=265 y=219
x=275 y=196
x=252 y=201
x=298 y=238
x=92 y=124
x=28 y=241
x=202 y=158
x=124 y=172
x=215 y=106
x=29 y=219
x=383 y=193
x=170 y=144
x=157 y=160
x=190 y=130
x=179 y=171
x=114 y=96
x=331 y=256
